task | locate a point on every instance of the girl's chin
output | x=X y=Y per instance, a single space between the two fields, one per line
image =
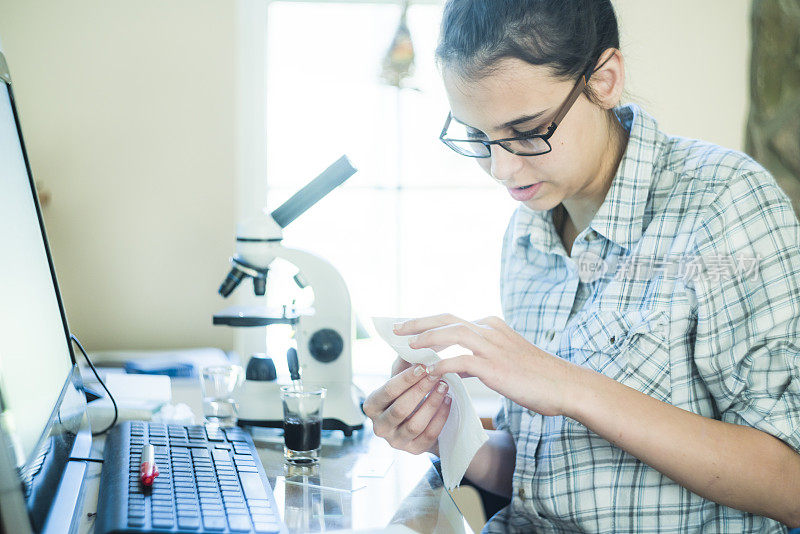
x=540 y=204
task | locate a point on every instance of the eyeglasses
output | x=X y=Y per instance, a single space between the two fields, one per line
x=473 y=143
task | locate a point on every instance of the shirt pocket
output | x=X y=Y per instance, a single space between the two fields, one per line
x=630 y=346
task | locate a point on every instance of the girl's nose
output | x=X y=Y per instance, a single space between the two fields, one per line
x=504 y=164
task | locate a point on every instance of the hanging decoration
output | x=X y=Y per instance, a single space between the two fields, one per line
x=398 y=63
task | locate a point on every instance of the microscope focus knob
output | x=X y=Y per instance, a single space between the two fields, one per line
x=326 y=345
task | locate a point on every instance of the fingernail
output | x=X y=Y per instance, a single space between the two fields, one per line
x=397 y=326
x=442 y=387
x=431 y=368
x=418 y=370
x=412 y=340
x=448 y=399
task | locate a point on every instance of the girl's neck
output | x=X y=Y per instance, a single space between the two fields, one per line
x=580 y=212
x=568 y=224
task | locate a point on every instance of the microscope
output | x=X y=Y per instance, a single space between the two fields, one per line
x=324 y=334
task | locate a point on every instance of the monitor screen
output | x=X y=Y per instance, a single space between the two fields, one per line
x=44 y=429
x=35 y=357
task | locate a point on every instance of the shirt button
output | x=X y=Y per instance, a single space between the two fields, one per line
x=521 y=493
x=551 y=334
x=591 y=235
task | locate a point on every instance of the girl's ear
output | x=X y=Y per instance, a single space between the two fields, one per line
x=608 y=81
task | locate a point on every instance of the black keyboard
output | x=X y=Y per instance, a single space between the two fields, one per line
x=209 y=482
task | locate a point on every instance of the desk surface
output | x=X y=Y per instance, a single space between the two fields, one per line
x=360 y=484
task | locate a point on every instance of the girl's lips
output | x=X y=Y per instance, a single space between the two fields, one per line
x=522 y=194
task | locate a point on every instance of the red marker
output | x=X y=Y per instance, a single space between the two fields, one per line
x=148 y=470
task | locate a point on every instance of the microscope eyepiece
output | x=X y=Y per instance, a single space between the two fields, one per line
x=234 y=278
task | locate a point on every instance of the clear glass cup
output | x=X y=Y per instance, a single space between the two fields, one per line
x=221 y=385
x=302 y=422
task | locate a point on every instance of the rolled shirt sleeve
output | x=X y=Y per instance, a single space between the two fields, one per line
x=747 y=345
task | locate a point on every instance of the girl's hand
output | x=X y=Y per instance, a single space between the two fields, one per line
x=410 y=410
x=501 y=358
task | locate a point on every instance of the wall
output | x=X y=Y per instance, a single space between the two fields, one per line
x=688 y=64
x=128 y=113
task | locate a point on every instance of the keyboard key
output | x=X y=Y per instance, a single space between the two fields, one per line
x=214 y=522
x=247 y=469
x=189 y=523
x=163 y=522
x=239 y=523
x=221 y=456
x=214 y=435
x=253 y=486
x=136 y=521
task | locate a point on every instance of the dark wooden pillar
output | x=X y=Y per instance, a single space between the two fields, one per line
x=773 y=126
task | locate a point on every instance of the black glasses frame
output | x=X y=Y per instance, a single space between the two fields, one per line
x=562 y=111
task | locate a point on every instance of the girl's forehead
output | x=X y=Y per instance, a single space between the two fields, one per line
x=512 y=89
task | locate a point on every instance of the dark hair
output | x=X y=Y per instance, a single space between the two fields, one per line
x=567 y=36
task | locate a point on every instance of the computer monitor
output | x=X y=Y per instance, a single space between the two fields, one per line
x=43 y=422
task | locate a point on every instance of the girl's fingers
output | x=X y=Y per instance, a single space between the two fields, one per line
x=392 y=417
x=419 y=420
x=399 y=366
x=380 y=399
x=415 y=326
x=434 y=428
x=464 y=366
x=496 y=329
x=454 y=334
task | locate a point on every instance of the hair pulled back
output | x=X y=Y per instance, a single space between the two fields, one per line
x=566 y=36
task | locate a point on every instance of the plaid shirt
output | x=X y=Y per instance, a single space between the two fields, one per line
x=686 y=287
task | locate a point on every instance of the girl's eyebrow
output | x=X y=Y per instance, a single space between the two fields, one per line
x=509 y=124
x=520 y=120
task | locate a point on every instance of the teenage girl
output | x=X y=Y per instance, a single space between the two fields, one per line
x=650 y=352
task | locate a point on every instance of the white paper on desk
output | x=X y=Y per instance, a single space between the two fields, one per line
x=148 y=392
x=463 y=433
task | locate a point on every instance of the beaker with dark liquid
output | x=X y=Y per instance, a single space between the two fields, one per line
x=302 y=422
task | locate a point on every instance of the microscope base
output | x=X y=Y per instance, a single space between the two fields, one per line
x=327 y=424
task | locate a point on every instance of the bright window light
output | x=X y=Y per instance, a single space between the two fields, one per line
x=417 y=231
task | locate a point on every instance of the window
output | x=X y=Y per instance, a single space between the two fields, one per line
x=418 y=230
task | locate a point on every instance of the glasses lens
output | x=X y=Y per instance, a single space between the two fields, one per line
x=527 y=147
x=467 y=148
x=466 y=140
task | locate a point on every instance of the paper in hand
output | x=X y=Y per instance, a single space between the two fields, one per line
x=463 y=433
